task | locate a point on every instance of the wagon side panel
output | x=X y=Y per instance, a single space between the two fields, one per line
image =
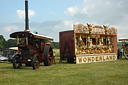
x=67 y=48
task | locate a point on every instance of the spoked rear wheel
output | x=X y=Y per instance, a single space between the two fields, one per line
x=35 y=61
x=126 y=52
x=16 y=61
x=48 y=55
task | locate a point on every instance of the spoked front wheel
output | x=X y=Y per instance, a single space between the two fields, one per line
x=16 y=61
x=35 y=61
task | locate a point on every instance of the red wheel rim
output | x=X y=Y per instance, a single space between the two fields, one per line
x=37 y=63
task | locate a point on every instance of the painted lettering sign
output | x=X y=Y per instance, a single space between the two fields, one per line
x=98 y=58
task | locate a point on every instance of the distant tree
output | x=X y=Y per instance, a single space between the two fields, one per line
x=2 y=42
x=55 y=45
x=11 y=43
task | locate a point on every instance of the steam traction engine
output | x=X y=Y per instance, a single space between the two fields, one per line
x=32 y=50
x=32 y=47
x=124 y=46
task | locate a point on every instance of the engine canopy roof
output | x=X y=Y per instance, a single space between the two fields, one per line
x=27 y=34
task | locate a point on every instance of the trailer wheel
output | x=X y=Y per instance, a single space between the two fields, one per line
x=35 y=61
x=48 y=55
x=126 y=52
x=16 y=61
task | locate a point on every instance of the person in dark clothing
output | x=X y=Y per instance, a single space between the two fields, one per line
x=118 y=54
x=121 y=51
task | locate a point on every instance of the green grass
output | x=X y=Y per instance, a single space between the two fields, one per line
x=102 y=73
x=57 y=52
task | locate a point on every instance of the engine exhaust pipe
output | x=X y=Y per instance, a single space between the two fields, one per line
x=26 y=16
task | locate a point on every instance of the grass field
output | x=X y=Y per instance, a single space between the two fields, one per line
x=102 y=73
x=57 y=52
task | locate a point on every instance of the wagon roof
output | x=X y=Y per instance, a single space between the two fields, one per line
x=16 y=34
x=123 y=39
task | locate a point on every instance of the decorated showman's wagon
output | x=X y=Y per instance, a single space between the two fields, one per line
x=86 y=44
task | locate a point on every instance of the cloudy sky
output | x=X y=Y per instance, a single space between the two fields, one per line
x=49 y=17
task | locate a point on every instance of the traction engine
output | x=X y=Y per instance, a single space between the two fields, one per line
x=32 y=47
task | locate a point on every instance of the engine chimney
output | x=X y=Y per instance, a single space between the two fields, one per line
x=26 y=16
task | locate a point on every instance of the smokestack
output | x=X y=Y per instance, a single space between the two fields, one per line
x=26 y=16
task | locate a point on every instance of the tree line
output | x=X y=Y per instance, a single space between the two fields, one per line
x=7 y=43
x=55 y=45
x=13 y=43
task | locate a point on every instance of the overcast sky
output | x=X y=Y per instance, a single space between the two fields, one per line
x=49 y=17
